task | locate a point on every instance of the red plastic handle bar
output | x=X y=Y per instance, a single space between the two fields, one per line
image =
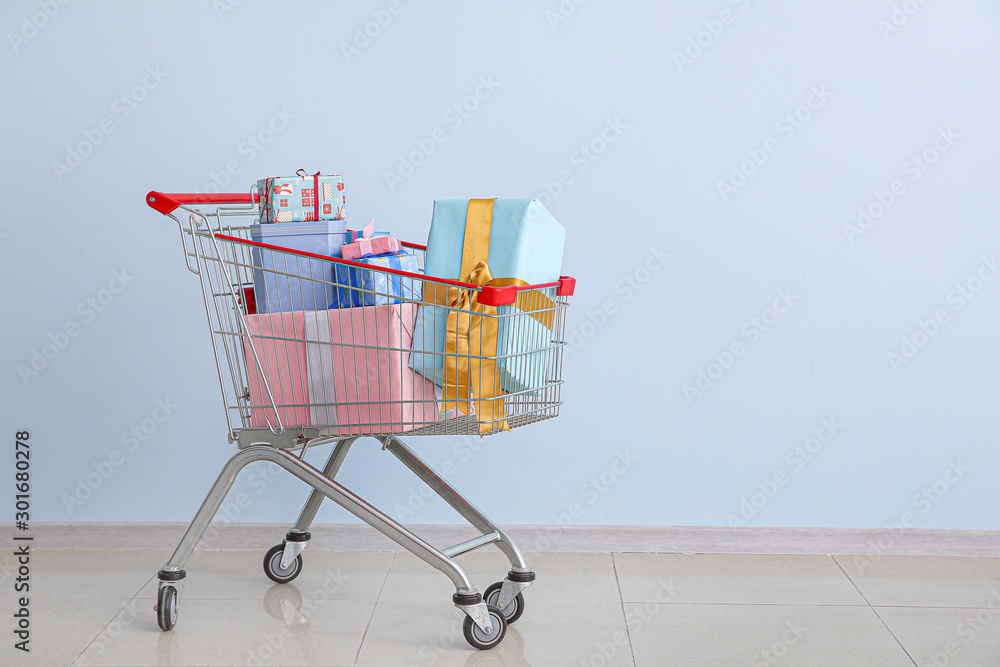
x=497 y=296
x=168 y=203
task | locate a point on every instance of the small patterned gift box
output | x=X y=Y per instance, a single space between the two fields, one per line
x=301 y=198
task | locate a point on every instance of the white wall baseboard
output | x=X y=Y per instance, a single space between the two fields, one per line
x=650 y=539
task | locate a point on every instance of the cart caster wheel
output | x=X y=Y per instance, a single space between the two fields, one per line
x=479 y=639
x=272 y=566
x=166 y=608
x=513 y=611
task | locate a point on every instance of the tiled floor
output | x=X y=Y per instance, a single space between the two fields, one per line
x=380 y=608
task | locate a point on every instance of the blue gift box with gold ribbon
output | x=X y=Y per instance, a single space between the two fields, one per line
x=516 y=239
x=357 y=286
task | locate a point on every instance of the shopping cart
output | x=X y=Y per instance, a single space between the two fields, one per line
x=293 y=378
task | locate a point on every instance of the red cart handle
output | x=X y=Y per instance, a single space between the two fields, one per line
x=497 y=296
x=168 y=203
x=491 y=296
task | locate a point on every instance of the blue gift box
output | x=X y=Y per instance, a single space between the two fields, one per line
x=525 y=242
x=363 y=287
x=284 y=282
x=523 y=345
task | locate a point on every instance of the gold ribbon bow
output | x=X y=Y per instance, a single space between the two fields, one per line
x=470 y=371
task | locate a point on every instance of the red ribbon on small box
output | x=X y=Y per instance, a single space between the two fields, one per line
x=370 y=245
x=316 y=191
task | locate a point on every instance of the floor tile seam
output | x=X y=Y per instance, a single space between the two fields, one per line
x=853 y=583
x=378 y=598
x=110 y=620
x=936 y=607
x=893 y=635
x=875 y=611
x=621 y=600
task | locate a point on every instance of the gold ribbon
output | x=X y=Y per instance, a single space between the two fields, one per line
x=471 y=376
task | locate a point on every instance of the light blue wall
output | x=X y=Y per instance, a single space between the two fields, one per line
x=672 y=131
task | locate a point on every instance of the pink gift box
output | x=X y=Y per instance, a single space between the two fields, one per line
x=368 y=244
x=284 y=366
x=359 y=375
x=376 y=245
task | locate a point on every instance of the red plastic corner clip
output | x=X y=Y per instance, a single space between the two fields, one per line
x=498 y=296
x=567 y=286
x=250 y=300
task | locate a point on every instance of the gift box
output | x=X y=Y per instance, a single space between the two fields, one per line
x=357 y=286
x=286 y=282
x=279 y=341
x=352 y=236
x=356 y=235
x=369 y=247
x=517 y=239
x=301 y=198
x=359 y=378
x=524 y=341
x=368 y=244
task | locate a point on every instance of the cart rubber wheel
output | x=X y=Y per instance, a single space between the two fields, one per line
x=166 y=608
x=513 y=610
x=479 y=639
x=272 y=566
